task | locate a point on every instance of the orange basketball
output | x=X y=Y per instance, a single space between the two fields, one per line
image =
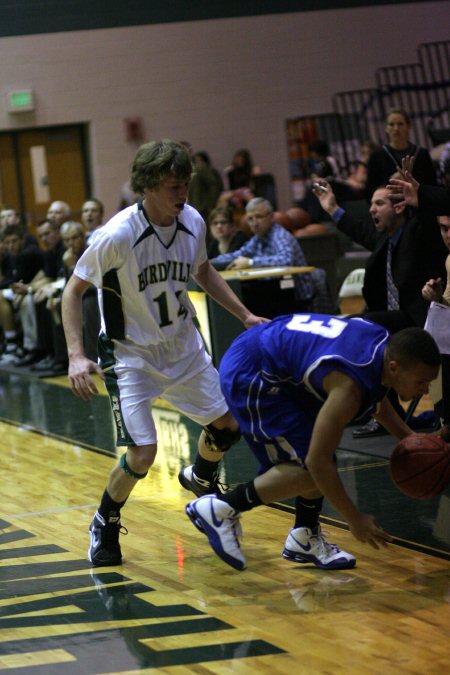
x=420 y=465
x=299 y=217
x=311 y=230
x=282 y=218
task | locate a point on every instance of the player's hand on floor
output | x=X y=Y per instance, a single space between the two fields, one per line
x=365 y=528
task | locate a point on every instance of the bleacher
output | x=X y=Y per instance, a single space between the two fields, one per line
x=422 y=89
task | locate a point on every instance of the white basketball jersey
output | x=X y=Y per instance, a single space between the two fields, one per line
x=143 y=281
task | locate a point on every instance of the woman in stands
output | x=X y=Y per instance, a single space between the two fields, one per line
x=226 y=237
x=239 y=174
x=388 y=159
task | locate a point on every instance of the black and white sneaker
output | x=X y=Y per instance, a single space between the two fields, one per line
x=198 y=486
x=104 y=549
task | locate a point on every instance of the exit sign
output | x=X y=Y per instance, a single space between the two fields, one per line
x=21 y=101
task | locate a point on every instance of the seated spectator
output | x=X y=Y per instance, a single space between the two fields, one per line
x=321 y=163
x=9 y=216
x=48 y=299
x=388 y=159
x=241 y=170
x=238 y=182
x=4 y=255
x=24 y=266
x=357 y=179
x=74 y=240
x=58 y=212
x=352 y=188
x=236 y=200
x=92 y=212
x=270 y=245
x=76 y=243
x=51 y=340
x=226 y=237
x=206 y=185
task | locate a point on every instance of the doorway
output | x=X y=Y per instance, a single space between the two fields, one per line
x=39 y=166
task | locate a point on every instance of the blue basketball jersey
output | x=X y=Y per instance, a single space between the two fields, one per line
x=272 y=375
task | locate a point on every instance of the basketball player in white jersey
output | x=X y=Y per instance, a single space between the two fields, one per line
x=141 y=261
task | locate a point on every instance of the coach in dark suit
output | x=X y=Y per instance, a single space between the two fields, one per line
x=406 y=251
x=417 y=255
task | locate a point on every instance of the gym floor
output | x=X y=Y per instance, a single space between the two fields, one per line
x=173 y=606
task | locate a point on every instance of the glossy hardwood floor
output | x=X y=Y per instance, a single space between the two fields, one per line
x=173 y=606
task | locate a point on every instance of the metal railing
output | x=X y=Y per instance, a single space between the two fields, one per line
x=422 y=89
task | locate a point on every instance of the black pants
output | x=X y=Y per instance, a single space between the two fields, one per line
x=442 y=407
x=267 y=298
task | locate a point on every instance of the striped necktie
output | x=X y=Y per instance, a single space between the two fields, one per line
x=392 y=291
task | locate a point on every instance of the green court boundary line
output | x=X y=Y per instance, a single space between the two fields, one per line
x=397 y=541
x=367 y=465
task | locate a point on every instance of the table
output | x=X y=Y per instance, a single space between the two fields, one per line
x=218 y=327
x=264 y=272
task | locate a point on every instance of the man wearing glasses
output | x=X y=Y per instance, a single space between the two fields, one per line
x=271 y=245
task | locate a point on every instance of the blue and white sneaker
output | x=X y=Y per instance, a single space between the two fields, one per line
x=303 y=546
x=104 y=549
x=220 y=522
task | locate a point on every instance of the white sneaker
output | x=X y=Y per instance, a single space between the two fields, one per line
x=220 y=522
x=303 y=546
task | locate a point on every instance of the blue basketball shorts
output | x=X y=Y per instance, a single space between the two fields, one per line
x=275 y=427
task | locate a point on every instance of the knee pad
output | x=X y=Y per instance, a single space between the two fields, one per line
x=220 y=440
x=123 y=465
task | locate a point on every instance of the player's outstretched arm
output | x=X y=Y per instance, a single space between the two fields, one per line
x=387 y=416
x=80 y=367
x=217 y=288
x=339 y=408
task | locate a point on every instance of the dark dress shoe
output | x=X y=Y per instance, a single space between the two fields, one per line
x=59 y=368
x=43 y=364
x=372 y=428
x=29 y=359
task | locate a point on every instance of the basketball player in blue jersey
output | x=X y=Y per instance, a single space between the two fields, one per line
x=141 y=261
x=293 y=385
